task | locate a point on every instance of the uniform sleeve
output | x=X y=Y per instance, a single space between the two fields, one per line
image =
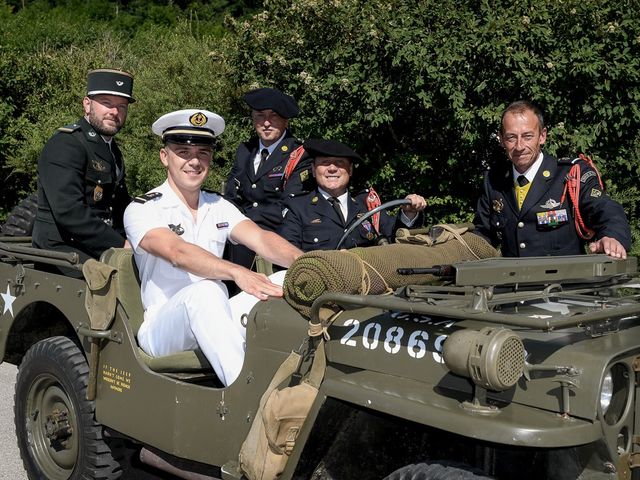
x=230 y=190
x=140 y=218
x=233 y=216
x=299 y=180
x=481 y=220
x=61 y=172
x=291 y=227
x=600 y=212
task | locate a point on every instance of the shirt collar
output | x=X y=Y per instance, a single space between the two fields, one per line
x=342 y=198
x=531 y=171
x=273 y=146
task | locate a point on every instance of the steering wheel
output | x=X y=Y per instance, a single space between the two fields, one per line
x=358 y=221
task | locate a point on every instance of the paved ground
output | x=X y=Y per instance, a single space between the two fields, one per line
x=10 y=462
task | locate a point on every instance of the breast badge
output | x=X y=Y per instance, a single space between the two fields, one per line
x=498 y=205
x=98 y=193
x=550 y=204
x=98 y=165
x=177 y=229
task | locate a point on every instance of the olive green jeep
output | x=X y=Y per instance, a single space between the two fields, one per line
x=505 y=368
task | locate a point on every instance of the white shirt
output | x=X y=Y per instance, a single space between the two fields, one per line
x=270 y=148
x=531 y=171
x=216 y=219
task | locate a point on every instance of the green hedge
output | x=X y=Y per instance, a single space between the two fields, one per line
x=415 y=86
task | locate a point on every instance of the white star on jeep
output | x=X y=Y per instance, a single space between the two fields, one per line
x=8 y=301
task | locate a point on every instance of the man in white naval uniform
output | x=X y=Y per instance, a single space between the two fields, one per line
x=178 y=233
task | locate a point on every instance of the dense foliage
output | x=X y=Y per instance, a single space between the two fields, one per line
x=416 y=86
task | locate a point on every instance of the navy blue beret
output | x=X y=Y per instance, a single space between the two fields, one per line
x=272 y=99
x=318 y=147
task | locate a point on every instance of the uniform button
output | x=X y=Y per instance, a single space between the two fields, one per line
x=315 y=240
x=253 y=186
x=523 y=245
x=277 y=189
x=255 y=204
x=520 y=224
x=497 y=224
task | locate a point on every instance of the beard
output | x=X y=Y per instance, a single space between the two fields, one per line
x=101 y=127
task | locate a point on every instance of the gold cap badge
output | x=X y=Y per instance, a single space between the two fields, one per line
x=198 y=119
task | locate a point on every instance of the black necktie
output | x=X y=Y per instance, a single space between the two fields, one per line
x=522 y=180
x=335 y=203
x=264 y=153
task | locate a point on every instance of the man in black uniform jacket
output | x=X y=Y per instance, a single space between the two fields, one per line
x=81 y=187
x=317 y=220
x=525 y=208
x=259 y=180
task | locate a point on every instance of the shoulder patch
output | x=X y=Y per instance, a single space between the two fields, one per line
x=72 y=127
x=147 y=196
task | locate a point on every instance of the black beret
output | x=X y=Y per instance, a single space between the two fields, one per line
x=272 y=99
x=318 y=147
x=110 y=82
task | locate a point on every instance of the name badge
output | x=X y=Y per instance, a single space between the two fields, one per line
x=552 y=218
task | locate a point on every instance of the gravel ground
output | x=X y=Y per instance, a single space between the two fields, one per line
x=10 y=463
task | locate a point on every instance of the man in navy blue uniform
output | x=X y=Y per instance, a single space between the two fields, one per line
x=317 y=220
x=526 y=207
x=82 y=192
x=262 y=175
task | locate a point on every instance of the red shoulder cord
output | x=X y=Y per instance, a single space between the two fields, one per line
x=572 y=187
x=373 y=201
x=294 y=158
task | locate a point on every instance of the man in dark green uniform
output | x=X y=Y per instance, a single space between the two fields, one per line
x=81 y=186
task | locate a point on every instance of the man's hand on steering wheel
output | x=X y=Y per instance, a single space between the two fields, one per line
x=418 y=203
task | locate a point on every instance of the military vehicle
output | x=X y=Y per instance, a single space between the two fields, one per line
x=504 y=368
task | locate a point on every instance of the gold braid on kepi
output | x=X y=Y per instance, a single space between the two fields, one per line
x=373 y=270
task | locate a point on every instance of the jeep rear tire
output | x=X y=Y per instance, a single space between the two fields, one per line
x=58 y=436
x=435 y=471
x=21 y=219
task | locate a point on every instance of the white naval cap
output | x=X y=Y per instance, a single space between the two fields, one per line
x=192 y=126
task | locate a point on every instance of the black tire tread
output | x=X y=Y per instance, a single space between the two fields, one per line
x=64 y=353
x=21 y=219
x=436 y=471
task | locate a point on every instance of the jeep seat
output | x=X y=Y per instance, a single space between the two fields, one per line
x=128 y=288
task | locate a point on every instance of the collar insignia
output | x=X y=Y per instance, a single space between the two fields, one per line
x=177 y=229
x=314 y=200
x=549 y=204
x=92 y=133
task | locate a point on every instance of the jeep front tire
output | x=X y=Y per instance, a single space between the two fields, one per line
x=58 y=436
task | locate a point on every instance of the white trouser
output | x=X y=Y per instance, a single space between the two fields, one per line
x=243 y=302
x=197 y=316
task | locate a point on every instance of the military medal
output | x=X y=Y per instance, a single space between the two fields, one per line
x=552 y=218
x=98 y=193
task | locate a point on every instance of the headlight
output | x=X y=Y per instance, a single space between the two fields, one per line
x=606 y=392
x=615 y=392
